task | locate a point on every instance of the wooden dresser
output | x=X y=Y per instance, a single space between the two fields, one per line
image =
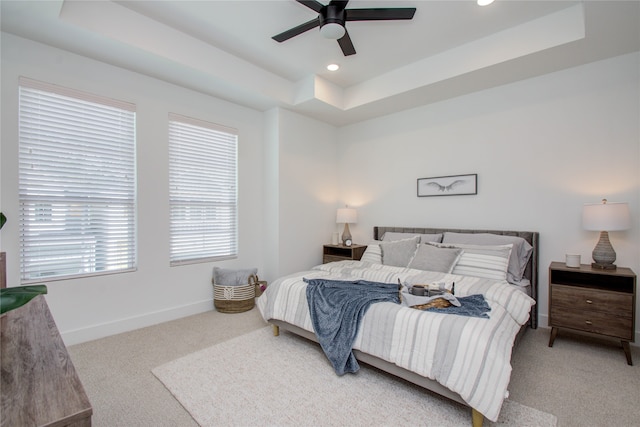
x=40 y=386
x=596 y=301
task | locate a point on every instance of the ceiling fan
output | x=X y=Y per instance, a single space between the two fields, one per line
x=333 y=16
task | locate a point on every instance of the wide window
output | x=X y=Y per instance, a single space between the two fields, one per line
x=203 y=190
x=77 y=181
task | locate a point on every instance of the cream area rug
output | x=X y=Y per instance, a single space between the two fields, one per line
x=259 y=379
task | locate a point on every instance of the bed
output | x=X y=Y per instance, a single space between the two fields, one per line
x=471 y=365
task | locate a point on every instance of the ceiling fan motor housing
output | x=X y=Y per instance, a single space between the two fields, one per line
x=332 y=14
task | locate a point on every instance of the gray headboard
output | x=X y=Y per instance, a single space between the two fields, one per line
x=532 y=237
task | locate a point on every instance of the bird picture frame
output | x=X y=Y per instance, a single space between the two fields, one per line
x=452 y=185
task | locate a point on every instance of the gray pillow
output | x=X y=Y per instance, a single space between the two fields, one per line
x=519 y=256
x=432 y=258
x=400 y=252
x=392 y=236
x=232 y=277
x=426 y=238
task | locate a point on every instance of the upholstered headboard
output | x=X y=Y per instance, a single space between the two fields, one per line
x=531 y=272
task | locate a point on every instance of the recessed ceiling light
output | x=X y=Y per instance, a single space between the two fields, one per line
x=333 y=67
x=484 y=2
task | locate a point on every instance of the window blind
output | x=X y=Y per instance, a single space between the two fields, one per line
x=203 y=190
x=77 y=183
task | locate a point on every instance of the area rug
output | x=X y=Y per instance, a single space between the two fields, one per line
x=258 y=379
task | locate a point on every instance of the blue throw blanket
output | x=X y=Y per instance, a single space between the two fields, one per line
x=337 y=308
x=472 y=305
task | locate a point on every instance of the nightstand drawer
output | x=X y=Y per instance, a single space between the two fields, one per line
x=582 y=299
x=599 y=323
x=333 y=258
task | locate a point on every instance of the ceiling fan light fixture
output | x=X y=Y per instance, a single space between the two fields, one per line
x=332 y=31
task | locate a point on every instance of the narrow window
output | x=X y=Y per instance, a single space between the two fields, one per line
x=203 y=191
x=77 y=183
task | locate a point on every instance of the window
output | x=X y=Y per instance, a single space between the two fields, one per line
x=203 y=190
x=77 y=183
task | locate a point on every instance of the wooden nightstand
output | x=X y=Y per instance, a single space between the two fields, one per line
x=596 y=301
x=331 y=253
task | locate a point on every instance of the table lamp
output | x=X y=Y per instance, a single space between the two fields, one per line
x=346 y=216
x=605 y=217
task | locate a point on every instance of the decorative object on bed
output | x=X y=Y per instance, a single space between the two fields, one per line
x=234 y=290
x=472 y=305
x=433 y=350
x=605 y=217
x=452 y=185
x=346 y=216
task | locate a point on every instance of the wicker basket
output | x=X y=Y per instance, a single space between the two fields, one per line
x=234 y=299
x=259 y=284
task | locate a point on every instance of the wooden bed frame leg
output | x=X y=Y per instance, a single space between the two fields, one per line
x=276 y=330
x=476 y=418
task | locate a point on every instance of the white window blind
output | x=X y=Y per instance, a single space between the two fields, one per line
x=77 y=182
x=203 y=190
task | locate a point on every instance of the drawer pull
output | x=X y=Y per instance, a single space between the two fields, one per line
x=588 y=322
x=589 y=301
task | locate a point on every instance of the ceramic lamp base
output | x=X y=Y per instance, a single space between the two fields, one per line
x=603 y=254
x=346 y=234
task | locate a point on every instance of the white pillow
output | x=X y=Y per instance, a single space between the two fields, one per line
x=521 y=249
x=489 y=262
x=372 y=254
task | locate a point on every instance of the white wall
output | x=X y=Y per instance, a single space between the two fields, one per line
x=303 y=193
x=541 y=148
x=98 y=306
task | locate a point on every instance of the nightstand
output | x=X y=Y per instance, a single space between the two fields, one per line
x=591 y=300
x=331 y=253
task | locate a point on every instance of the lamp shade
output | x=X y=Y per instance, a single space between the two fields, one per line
x=606 y=216
x=347 y=216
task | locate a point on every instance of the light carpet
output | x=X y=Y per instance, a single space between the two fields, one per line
x=259 y=379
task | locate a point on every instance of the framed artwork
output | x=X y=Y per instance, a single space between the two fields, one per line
x=453 y=185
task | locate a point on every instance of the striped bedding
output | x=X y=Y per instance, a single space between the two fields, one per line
x=470 y=356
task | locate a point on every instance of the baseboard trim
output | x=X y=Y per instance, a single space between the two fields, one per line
x=93 y=332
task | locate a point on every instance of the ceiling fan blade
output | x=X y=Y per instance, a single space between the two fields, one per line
x=346 y=45
x=312 y=4
x=296 y=30
x=380 y=14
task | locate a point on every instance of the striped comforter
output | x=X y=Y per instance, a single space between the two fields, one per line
x=470 y=356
